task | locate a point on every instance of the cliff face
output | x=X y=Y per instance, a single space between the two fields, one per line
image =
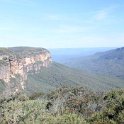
x=17 y=64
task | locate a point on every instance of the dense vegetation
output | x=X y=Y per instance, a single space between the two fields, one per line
x=20 y=51
x=27 y=51
x=65 y=105
x=50 y=78
x=2 y=86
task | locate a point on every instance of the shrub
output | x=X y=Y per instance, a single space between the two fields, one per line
x=113 y=113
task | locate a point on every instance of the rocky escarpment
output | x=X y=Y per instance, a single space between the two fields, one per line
x=16 y=63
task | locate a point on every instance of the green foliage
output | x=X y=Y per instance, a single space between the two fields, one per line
x=72 y=105
x=57 y=74
x=35 y=95
x=21 y=110
x=73 y=100
x=113 y=112
x=26 y=51
x=2 y=85
x=33 y=112
x=65 y=119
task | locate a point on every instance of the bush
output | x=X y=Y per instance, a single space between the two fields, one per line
x=113 y=113
x=67 y=118
x=67 y=106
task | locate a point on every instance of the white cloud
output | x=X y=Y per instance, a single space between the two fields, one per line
x=105 y=13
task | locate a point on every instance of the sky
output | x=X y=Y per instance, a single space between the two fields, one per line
x=62 y=23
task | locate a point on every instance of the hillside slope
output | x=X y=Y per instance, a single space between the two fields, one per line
x=56 y=75
x=109 y=63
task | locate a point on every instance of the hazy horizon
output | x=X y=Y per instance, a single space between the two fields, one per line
x=62 y=47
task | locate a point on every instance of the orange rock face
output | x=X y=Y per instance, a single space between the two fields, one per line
x=21 y=66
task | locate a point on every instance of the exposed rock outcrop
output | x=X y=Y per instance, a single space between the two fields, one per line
x=16 y=63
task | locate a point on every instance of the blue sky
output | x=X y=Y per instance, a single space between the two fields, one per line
x=62 y=23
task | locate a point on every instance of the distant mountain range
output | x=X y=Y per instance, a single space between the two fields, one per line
x=66 y=55
x=109 y=63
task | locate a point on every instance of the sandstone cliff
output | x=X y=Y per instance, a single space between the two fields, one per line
x=16 y=63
